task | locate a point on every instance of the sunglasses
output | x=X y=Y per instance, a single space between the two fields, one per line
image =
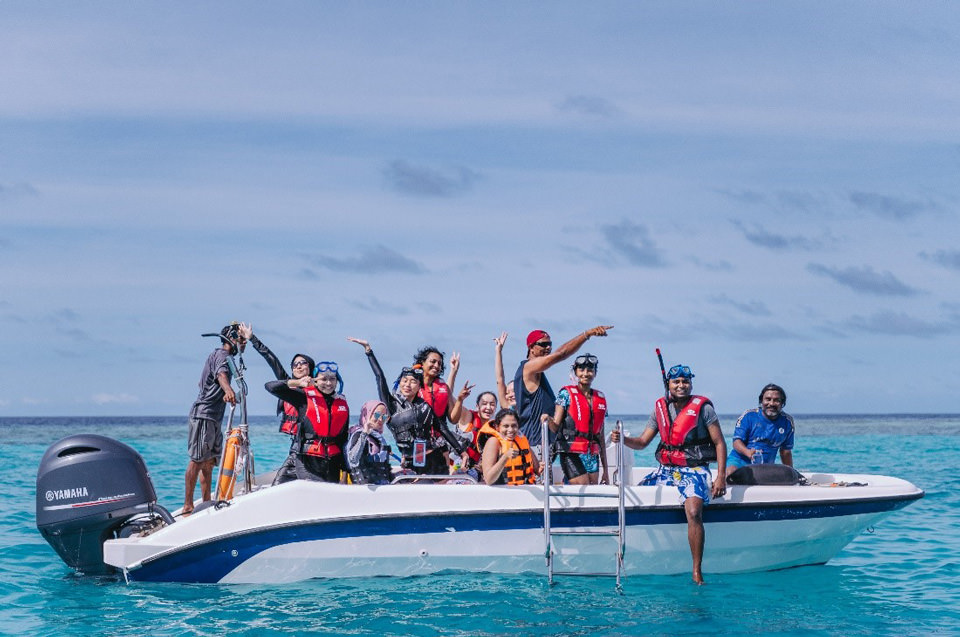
x=679 y=371
x=544 y=344
x=326 y=366
x=301 y=364
x=379 y=416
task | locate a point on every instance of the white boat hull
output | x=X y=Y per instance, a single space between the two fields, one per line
x=302 y=530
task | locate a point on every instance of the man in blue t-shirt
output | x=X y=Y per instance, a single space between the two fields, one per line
x=763 y=430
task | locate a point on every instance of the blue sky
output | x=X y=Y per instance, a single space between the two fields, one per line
x=765 y=191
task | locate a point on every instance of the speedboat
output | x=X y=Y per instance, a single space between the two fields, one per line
x=97 y=507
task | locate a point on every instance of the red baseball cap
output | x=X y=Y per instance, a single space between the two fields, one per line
x=535 y=336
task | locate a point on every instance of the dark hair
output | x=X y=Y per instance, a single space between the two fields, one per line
x=424 y=352
x=773 y=387
x=416 y=371
x=503 y=413
x=484 y=393
x=312 y=363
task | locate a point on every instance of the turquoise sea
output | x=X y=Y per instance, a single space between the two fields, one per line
x=901 y=579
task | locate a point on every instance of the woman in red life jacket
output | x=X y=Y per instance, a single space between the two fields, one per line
x=507 y=458
x=578 y=423
x=435 y=391
x=323 y=416
x=471 y=421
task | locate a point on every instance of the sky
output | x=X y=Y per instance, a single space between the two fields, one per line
x=766 y=191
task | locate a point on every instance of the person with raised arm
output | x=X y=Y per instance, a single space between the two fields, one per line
x=301 y=365
x=412 y=419
x=368 y=454
x=578 y=422
x=690 y=439
x=323 y=420
x=205 y=422
x=505 y=392
x=535 y=397
x=472 y=421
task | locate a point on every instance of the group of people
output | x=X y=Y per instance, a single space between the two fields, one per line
x=495 y=446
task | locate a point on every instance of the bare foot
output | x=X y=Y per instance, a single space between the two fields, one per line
x=698 y=578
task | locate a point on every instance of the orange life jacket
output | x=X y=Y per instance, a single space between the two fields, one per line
x=517 y=470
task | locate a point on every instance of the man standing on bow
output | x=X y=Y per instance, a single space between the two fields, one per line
x=690 y=439
x=205 y=438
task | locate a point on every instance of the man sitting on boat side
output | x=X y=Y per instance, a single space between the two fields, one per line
x=534 y=394
x=205 y=437
x=761 y=431
x=690 y=438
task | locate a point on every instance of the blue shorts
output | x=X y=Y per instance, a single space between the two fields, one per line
x=693 y=482
x=736 y=460
x=591 y=462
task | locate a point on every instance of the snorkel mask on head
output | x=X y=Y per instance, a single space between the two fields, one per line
x=586 y=361
x=416 y=371
x=679 y=371
x=328 y=367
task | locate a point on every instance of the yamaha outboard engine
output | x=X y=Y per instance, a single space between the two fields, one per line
x=88 y=488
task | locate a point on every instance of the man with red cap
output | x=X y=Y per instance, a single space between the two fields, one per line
x=535 y=397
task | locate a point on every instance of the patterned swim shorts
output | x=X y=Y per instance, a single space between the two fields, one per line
x=691 y=481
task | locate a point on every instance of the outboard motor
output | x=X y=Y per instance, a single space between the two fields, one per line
x=88 y=488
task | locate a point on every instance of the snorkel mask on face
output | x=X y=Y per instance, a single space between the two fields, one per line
x=327 y=367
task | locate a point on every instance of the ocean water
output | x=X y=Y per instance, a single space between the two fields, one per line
x=903 y=578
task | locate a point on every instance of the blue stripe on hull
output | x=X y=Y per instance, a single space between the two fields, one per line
x=211 y=561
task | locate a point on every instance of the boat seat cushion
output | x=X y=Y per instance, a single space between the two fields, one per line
x=769 y=474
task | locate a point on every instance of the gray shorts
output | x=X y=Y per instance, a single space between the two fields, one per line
x=205 y=440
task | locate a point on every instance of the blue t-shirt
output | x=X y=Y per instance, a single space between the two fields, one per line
x=756 y=432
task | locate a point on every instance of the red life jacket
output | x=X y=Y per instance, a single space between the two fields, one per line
x=584 y=435
x=289 y=423
x=328 y=425
x=473 y=451
x=437 y=397
x=685 y=444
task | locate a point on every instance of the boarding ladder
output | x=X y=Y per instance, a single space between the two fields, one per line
x=550 y=492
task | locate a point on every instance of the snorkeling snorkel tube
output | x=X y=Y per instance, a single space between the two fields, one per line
x=666 y=388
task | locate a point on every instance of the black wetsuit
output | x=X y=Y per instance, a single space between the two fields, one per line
x=411 y=421
x=299 y=465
